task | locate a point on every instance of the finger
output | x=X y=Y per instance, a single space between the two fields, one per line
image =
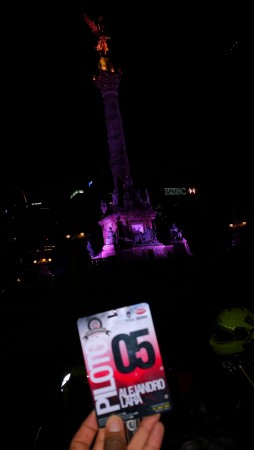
x=150 y=432
x=100 y=440
x=83 y=438
x=155 y=438
x=115 y=434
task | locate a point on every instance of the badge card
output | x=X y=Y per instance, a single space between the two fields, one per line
x=124 y=364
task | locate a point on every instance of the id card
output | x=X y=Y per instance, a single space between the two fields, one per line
x=124 y=364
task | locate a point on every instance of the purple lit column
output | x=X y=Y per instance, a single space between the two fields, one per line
x=108 y=83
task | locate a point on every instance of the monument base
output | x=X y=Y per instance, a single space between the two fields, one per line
x=108 y=250
x=146 y=252
x=181 y=247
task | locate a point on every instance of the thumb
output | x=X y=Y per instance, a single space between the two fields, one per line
x=115 y=434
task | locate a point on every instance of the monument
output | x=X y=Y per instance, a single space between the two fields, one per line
x=128 y=219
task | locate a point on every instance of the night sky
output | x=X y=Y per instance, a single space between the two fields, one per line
x=185 y=96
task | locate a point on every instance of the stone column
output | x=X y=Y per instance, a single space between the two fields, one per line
x=108 y=84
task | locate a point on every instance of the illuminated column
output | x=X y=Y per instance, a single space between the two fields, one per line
x=108 y=82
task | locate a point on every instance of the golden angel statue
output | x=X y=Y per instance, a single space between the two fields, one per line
x=99 y=31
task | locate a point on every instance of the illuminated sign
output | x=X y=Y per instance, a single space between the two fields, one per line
x=180 y=191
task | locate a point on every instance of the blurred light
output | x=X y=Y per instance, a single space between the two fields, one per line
x=79 y=191
x=192 y=190
x=65 y=380
x=237 y=225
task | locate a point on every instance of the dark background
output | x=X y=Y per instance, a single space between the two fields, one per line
x=185 y=98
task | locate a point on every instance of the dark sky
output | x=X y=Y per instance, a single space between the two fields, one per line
x=185 y=94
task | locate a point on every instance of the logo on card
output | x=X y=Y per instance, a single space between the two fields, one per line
x=140 y=310
x=95 y=326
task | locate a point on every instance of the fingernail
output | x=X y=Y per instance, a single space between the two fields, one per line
x=114 y=424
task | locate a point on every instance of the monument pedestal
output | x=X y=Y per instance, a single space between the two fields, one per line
x=108 y=250
x=145 y=253
x=181 y=247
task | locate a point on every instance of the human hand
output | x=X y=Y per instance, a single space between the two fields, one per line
x=148 y=436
